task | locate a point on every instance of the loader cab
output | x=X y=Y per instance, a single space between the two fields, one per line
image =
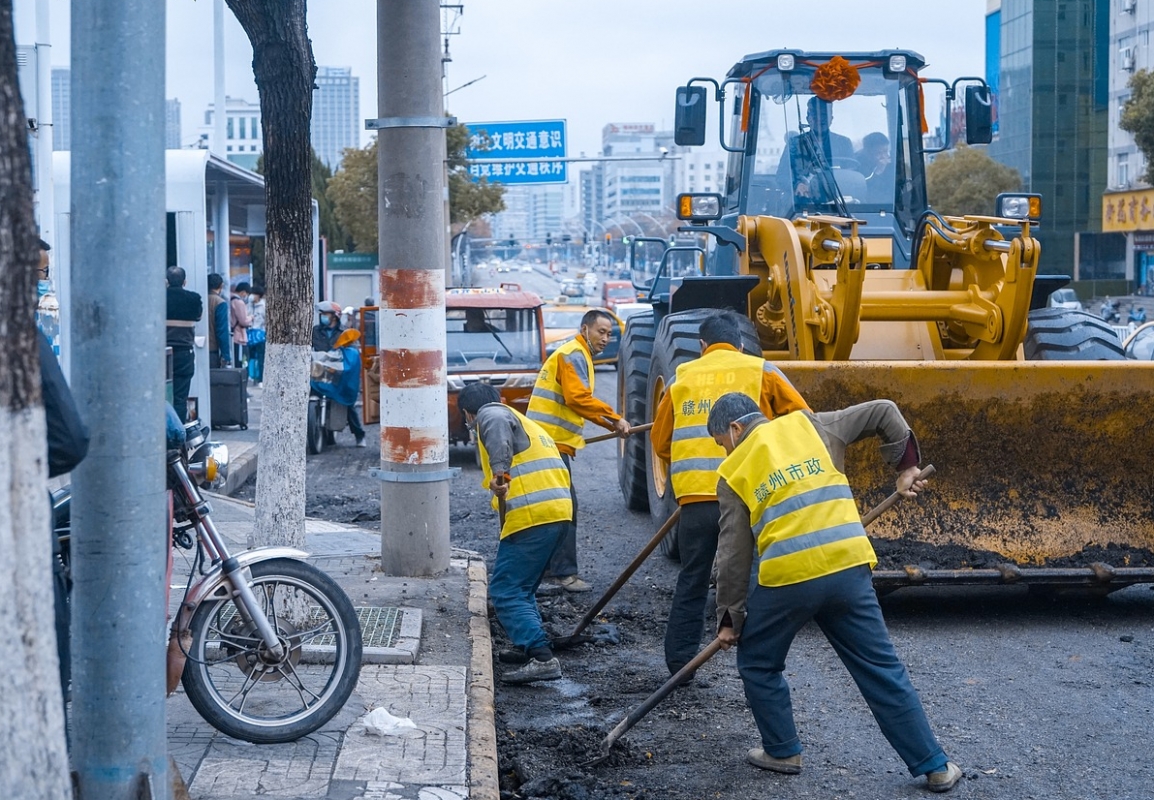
x=807 y=138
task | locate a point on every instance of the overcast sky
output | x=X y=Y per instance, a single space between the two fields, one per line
x=590 y=62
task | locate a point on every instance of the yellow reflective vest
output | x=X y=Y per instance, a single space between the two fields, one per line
x=538 y=482
x=547 y=403
x=801 y=510
x=695 y=456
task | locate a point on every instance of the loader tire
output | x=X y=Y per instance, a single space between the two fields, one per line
x=633 y=362
x=1062 y=334
x=677 y=342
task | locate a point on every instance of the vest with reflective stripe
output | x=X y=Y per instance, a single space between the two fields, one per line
x=547 y=404
x=695 y=456
x=538 y=482
x=800 y=507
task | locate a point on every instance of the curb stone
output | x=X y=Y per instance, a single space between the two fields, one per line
x=483 y=784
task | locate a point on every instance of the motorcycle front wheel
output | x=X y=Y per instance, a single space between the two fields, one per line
x=241 y=688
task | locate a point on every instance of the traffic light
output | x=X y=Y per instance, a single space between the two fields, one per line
x=608 y=239
x=548 y=238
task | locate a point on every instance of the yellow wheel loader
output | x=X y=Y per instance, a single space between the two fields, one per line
x=1037 y=423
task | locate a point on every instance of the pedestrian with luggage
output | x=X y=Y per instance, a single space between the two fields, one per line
x=238 y=310
x=781 y=489
x=256 y=335
x=523 y=469
x=183 y=309
x=680 y=439
x=218 y=339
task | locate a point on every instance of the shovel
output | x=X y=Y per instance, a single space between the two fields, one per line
x=710 y=650
x=572 y=639
x=606 y=436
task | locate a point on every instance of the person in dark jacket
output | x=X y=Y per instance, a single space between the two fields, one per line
x=184 y=310
x=218 y=336
x=67 y=447
x=328 y=327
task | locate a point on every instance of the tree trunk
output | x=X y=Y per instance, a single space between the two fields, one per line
x=33 y=754
x=284 y=70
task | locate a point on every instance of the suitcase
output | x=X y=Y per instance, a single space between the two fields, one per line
x=229 y=398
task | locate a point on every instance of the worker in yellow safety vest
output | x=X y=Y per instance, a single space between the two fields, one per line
x=530 y=486
x=680 y=439
x=562 y=400
x=781 y=489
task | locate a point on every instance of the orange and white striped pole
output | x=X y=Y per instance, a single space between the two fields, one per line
x=414 y=469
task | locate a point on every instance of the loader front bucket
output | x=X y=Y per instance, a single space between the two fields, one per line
x=1044 y=468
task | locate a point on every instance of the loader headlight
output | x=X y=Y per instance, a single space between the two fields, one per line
x=698 y=207
x=1019 y=206
x=897 y=64
x=785 y=62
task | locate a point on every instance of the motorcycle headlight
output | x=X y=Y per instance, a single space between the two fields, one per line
x=210 y=465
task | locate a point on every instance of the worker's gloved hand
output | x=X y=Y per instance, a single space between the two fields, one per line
x=499 y=485
x=727 y=637
x=908 y=485
x=622 y=427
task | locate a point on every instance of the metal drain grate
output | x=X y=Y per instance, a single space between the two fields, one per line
x=380 y=626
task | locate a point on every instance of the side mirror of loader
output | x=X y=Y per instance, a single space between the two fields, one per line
x=979 y=115
x=689 y=116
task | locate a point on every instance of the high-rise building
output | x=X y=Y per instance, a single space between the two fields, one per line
x=62 y=113
x=633 y=187
x=61 y=108
x=336 y=123
x=243 y=143
x=1053 y=91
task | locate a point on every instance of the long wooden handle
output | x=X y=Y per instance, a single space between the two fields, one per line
x=627 y=573
x=606 y=436
x=650 y=702
x=886 y=504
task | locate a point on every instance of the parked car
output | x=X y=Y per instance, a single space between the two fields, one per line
x=1140 y=343
x=1065 y=298
x=563 y=322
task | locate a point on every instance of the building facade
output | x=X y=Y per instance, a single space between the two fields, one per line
x=336 y=122
x=634 y=187
x=243 y=135
x=62 y=113
x=1053 y=100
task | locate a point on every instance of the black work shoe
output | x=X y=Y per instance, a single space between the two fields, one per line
x=944 y=780
x=513 y=655
x=790 y=765
x=534 y=671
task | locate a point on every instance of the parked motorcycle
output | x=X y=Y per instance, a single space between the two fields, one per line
x=268 y=647
x=1109 y=312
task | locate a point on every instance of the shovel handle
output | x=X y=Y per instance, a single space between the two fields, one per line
x=606 y=436
x=626 y=574
x=650 y=702
x=886 y=504
x=502 y=480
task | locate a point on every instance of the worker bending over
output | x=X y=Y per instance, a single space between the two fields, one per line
x=781 y=489
x=530 y=486
x=562 y=400
x=680 y=438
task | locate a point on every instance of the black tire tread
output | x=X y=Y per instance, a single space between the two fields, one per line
x=1063 y=334
x=633 y=362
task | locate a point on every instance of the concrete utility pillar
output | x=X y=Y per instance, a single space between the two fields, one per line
x=119 y=508
x=414 y=424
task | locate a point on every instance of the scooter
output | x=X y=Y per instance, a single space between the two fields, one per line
x=267 y=646
x=325 y=417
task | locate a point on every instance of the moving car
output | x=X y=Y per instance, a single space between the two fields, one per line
x=563 y=322
x=1065 y=298
x=614 y=293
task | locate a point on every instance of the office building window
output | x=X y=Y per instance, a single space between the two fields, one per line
x=1123 y=169
x=229 y=123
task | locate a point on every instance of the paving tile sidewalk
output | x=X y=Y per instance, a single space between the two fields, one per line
x=446 y=688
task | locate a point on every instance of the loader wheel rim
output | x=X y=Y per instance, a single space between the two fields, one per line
x=658 y=469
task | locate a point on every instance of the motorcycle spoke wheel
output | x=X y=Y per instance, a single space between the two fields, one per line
x=242 y=688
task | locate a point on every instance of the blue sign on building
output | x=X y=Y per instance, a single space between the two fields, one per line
x=531 y=141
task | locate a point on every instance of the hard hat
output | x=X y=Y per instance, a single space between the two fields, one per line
x=328 y=307
x=348 y=310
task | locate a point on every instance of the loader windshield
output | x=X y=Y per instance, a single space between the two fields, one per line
x=848 y=157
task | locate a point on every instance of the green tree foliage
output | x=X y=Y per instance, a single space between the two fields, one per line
x=353 y=191
x=330 y=227
x=966 y=181
x=1138 y=117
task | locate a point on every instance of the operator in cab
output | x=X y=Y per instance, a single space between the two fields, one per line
x=562 y=400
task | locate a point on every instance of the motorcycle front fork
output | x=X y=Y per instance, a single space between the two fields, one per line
x=238 y=577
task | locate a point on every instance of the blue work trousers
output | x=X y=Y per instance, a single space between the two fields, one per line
x=564 y=561
x=521 y=561
x=697 y=531
x=845 y=607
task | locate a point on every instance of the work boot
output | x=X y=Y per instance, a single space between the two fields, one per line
x=534 y=671
x=572 y=583
x=945 y=779
x=790 y=765
x=513 y=655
